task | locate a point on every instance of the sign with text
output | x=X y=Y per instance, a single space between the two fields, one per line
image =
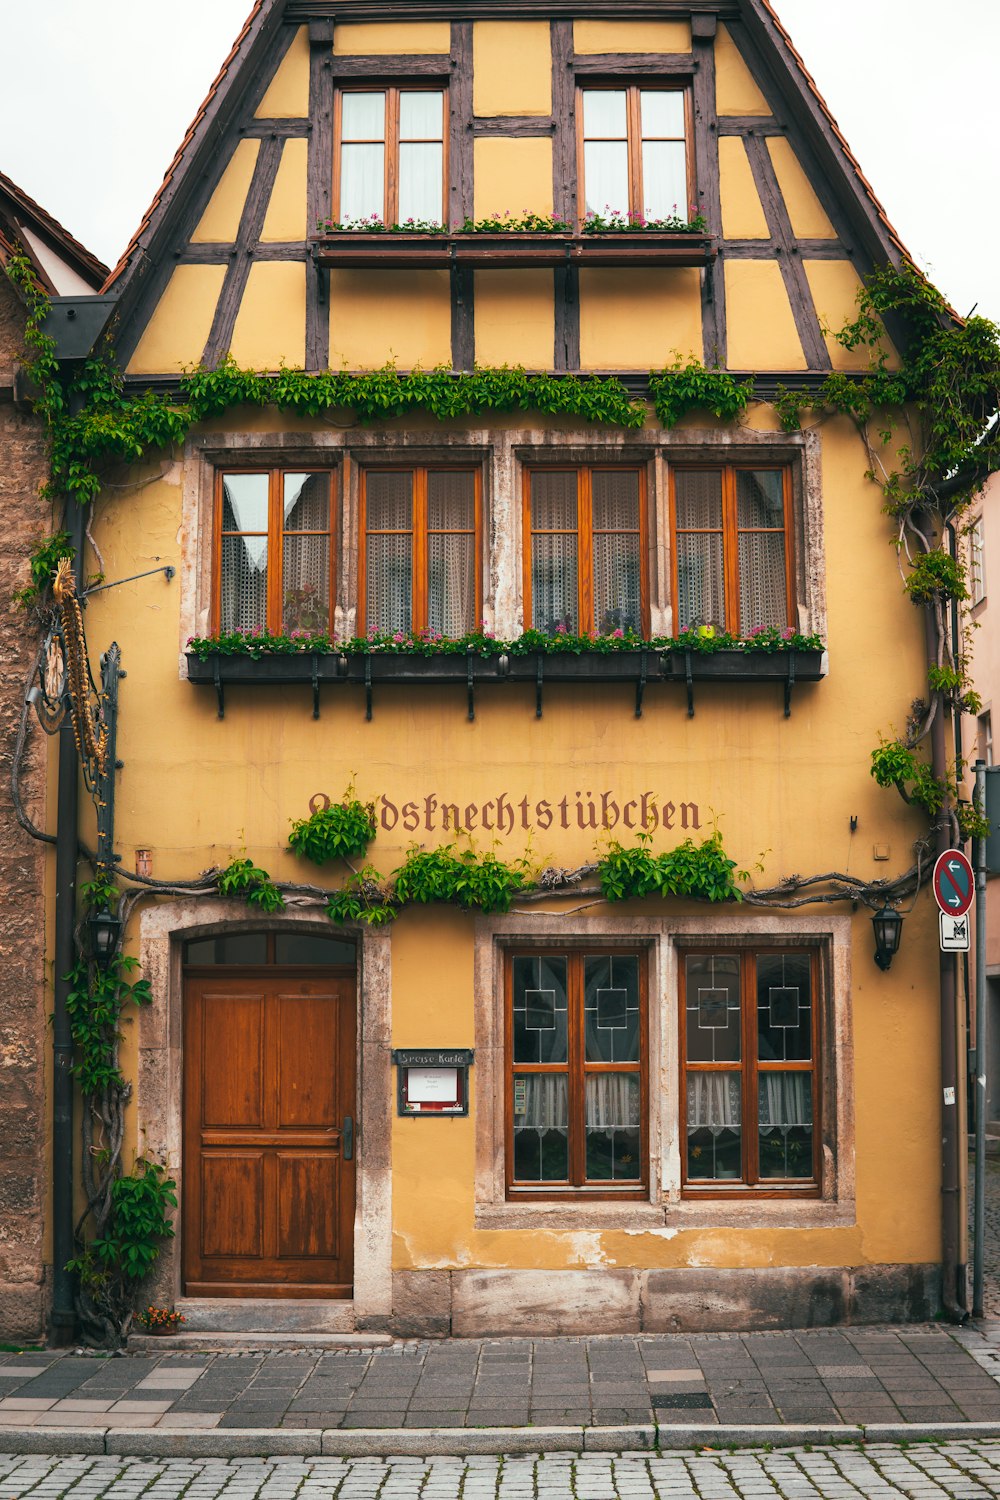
x=954 y=883
x=506 y=813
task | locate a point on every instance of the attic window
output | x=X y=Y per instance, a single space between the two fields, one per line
x=635 y=161
x=390 y=155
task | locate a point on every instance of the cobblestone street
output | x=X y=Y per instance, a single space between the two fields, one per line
x=952 y=1471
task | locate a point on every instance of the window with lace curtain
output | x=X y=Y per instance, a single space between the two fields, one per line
x=584 y=567
x=732 y=553
x=274 y=550
x=576 y=1075
x=749 y=1043
x=420 y=532
x=390 y=155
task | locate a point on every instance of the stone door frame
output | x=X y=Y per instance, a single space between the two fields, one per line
x=163 y=930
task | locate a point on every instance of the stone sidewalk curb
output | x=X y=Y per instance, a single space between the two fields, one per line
x=460 y=1442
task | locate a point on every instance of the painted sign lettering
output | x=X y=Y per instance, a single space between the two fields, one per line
x=505 y=813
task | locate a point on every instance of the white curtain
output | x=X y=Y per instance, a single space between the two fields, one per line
x=784 y=1100
x=612 y=1102
x=714 y=1101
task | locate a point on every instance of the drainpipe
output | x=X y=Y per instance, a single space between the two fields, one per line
x=953 y=1274
x=63 y=1320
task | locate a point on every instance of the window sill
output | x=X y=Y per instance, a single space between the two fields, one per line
x=638 y=669
x=350 y=249
x=666 y=1219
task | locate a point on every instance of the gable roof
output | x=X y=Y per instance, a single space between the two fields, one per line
x=20 y=217
x=776 y=59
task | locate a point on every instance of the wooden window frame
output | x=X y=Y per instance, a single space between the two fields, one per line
x=585 y=537
x=276 y=533
x=392 y=91
x=977 y=561
x=752 y=1185
x=633 y=126
x=419 y=533
x=730 y=533
x=576 y=1070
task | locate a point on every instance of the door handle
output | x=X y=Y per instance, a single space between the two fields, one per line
x=348 y=1138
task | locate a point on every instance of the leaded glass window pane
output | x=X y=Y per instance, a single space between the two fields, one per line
x=611 y=1009
x=540 y=1001
x=763 y=592
x=243 y=605
x=613 y=1127
x=714 y=1126
x=713 y=1007
x=540 y=1113
x=785 y=1124
x=306 y=502
x=616 y=551
x=784 y=1007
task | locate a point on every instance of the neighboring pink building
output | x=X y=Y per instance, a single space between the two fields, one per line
x=982 y=541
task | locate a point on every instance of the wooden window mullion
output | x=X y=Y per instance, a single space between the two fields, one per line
x=575 y=1086
x=634 y=127
x=730 y=550
x=585 y=549
x=391 y=156
x=748 y=1002
x=275 y=551
x=786 y=483
x=418 y=542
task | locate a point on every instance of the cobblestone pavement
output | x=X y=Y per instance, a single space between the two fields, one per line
x=853 y=1375
x=953 y=1471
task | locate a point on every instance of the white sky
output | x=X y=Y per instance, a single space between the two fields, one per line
x=97 y=95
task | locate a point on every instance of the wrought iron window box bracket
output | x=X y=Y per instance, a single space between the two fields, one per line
x=360 y=250
x=398 y=668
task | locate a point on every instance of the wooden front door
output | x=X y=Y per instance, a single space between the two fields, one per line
x=269 y=1069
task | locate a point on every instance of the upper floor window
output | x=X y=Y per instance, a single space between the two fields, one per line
x=731 y=529
x=420 y=550
x=977 y=561
x=390 y=155
x=750 y=1070
x=274 y=553
x=634 y=149
x=583 y=569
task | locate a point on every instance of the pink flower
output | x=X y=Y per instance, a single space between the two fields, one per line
x=190 y=639
x=786 y=635
x=618 y=635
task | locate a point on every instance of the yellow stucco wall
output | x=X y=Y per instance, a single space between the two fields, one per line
x=286 y=213
x=640 y=320
x=197 y=794
x=736 y=92
x=221 y=218
x=379 y=37
x=176 y=334
x=271 y=323
x=512 y=68
x=632 y=36
x=512 y=174
x=287 y=95
x=743 y=216
x=389 y=316
x=762 y=332
x=515 y=318
x=809 y=219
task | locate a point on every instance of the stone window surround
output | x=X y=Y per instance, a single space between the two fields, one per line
x=503 y=453
x=163 y=930
x=665 y=938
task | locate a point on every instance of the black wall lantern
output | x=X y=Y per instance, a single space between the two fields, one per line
x=105 y=932
x=888 y=925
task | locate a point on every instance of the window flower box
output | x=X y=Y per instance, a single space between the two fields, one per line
x=637 y=667
x=379 y=250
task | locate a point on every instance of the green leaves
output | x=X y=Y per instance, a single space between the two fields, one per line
x=936 y=574
x=94 y=1004
x=138 y=1223
x=242 y=877
x=701 y=872
x=678 y=389
x=340 y=831
x=461 y=877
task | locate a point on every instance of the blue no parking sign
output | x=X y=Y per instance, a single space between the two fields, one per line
x=954 y=883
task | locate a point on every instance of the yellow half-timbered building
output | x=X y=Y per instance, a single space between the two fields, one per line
x=576 y=1114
